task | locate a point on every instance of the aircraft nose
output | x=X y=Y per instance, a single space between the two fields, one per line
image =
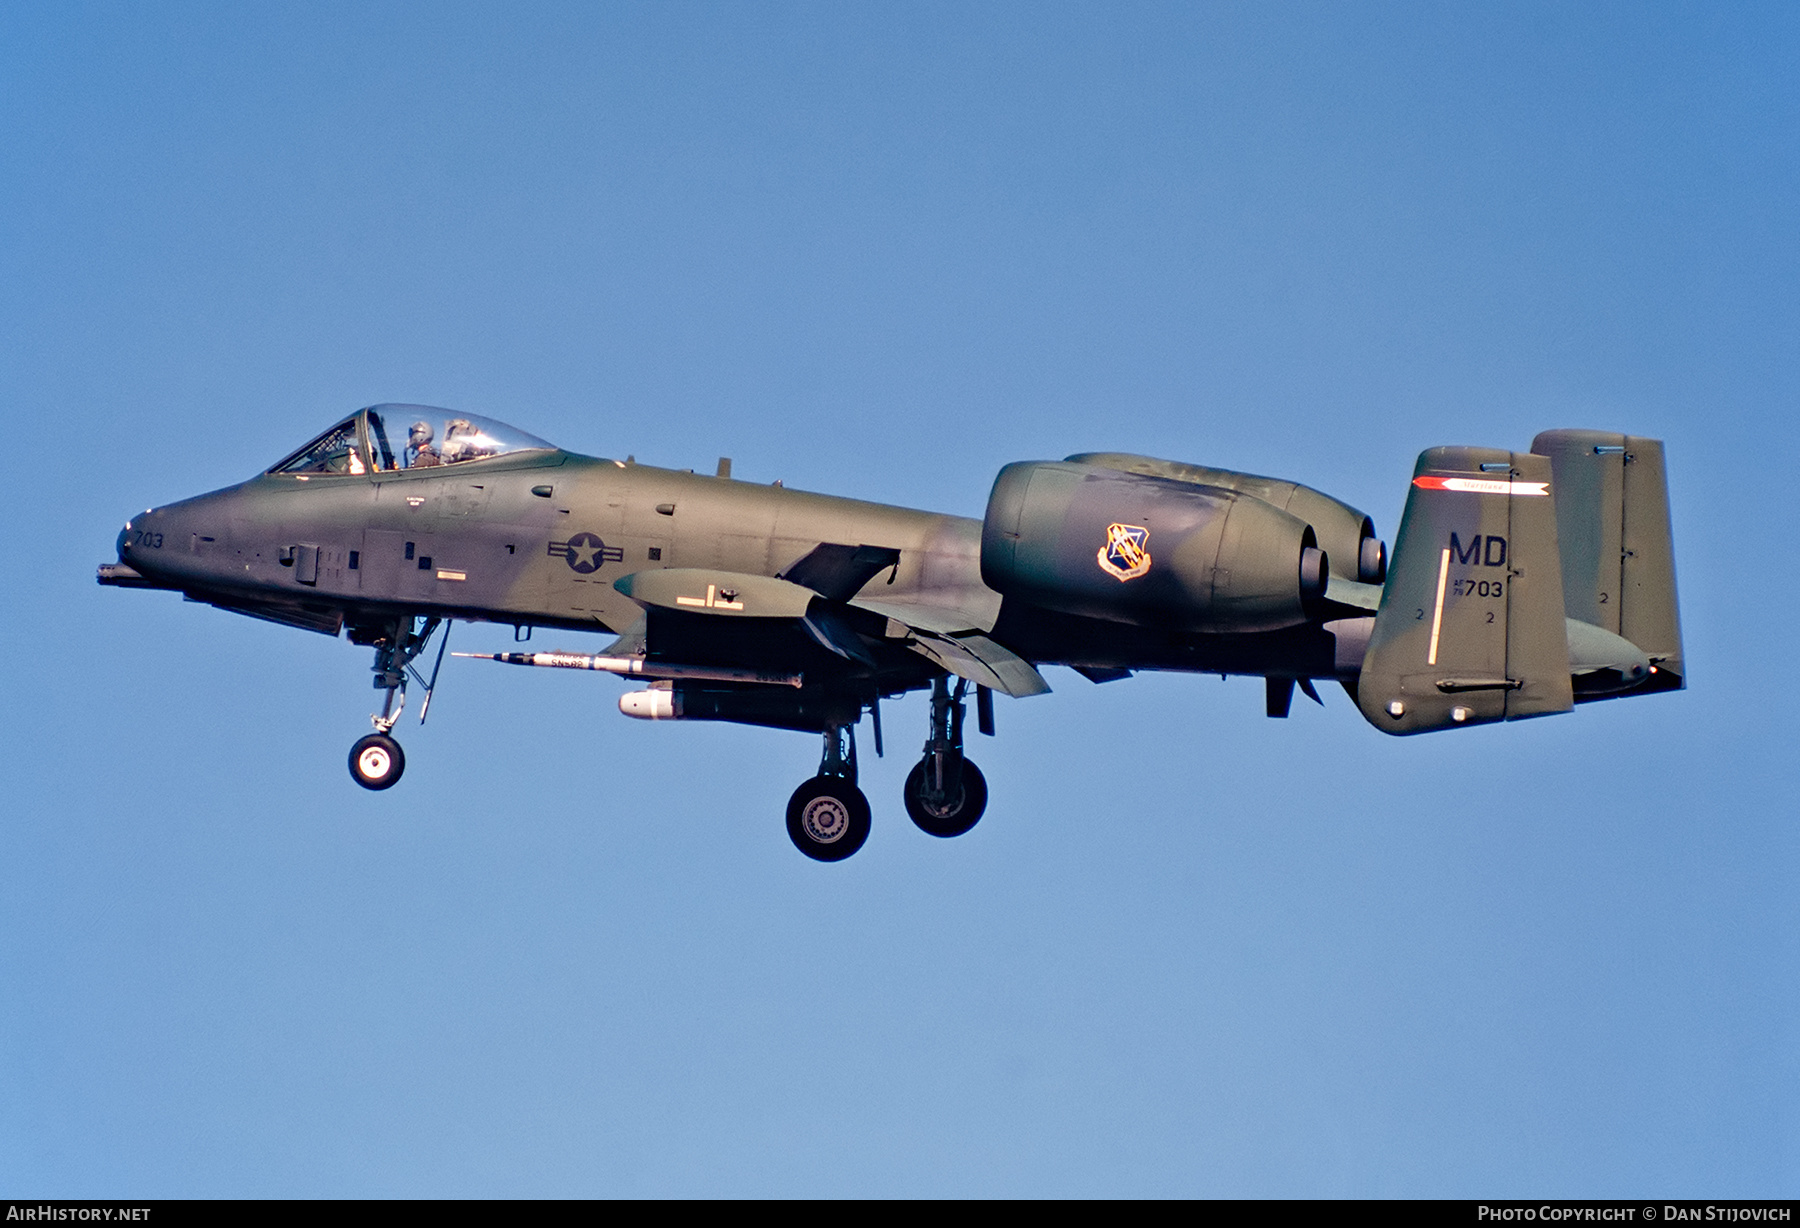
x=178 y=540
x=143 y=531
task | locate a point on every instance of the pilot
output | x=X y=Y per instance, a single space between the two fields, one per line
x=419 y=452
x=340 y=454
x=461 y=442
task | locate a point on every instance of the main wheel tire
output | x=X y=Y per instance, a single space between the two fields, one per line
x=376 y=762
x=828 y=818
x=952 y=820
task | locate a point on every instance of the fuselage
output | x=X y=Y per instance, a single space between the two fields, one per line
x=538 y=540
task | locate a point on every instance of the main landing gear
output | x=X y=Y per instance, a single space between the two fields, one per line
x=828 y=816
x=376 y=760
x=945 y=794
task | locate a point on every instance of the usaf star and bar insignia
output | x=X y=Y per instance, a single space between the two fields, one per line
x=585 y=553
x=1126 y=554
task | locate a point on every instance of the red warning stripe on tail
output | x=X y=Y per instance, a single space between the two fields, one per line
x=1480 y=486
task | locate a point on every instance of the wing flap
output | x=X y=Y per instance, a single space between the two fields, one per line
x=947 y=617
x=981 y=661
x=838 y=571
x=680 y=601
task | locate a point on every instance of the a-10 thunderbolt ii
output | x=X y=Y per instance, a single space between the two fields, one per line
x=1522 y=583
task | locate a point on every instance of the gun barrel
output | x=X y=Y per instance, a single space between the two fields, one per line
x=635 y=667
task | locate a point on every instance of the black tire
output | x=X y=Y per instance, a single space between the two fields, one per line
x=377 y=762
x=949 y=821
x=828 y=818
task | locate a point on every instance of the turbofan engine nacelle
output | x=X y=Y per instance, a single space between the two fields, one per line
x=1345 y=534
x=1096 y=541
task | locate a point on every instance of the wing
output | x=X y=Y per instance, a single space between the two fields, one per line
x=954 y=636
x=837 y=572
x=975 y=657
x=702 y=616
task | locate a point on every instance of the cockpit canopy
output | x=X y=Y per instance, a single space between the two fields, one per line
x=390 y=438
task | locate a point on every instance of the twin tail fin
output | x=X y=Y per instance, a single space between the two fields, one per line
x=1524 y=582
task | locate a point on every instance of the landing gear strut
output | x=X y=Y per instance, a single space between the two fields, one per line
x=946 y=793
x=376 y=761
x=828 y=816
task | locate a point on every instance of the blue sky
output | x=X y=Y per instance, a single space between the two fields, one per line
x=882 y=251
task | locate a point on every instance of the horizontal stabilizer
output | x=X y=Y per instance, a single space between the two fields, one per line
x=1353 y=594
x=1604 y=664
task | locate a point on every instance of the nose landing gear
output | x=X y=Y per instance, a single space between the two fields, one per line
x=945 y=793
x=828 y=816
x=376 y=760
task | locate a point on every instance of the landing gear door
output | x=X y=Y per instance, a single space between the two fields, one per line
x=379 y=563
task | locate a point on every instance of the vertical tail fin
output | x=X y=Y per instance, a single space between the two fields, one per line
x=1471 y=626
x=1618 y=555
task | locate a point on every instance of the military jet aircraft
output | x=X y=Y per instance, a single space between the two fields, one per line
x=1522 y=583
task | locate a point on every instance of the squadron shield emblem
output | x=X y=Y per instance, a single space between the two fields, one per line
x=1126 y=555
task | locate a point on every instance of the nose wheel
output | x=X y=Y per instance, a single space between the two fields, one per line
x=376 y=762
